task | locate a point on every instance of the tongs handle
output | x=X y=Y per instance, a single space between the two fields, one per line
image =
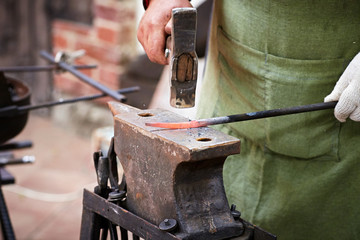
x=270 y=113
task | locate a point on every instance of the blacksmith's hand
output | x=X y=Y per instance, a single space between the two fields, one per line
x=154 y=27
x=347 y=92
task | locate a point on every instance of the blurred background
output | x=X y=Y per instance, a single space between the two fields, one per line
x=44 y=199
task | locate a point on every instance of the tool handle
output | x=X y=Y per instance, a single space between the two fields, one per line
x=269 y=113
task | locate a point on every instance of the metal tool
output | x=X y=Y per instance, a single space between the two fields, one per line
x=243 y=116
x=174 y=187
x=24 y=159
x=65 y=66
x=7 y=158
x=15 y=105
x=15 y=145
x=184 y=61
x=41 y=68
x=14 y=110
x=69 y=57
x=106 y=171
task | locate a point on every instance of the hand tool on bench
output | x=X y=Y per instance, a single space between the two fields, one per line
x=183 y=58
x=243 y=116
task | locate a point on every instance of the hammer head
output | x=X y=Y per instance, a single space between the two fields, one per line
x=184 y=61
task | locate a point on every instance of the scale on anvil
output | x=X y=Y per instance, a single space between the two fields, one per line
x=15 y=105
x=172 y=186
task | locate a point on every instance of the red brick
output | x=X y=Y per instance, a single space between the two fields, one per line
x=105 y=12
x=67 y=84
x=106 y=34
x=102 y=44
x=102 y=53
x=73 y=86
x=70 y=26
x=125 y=14
x=127 y=35
x=115 y=14
x=84 y=61
x=103 y=101
x=59 y=41
x=110 y=78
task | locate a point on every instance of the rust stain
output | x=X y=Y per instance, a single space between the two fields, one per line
x=212 y=226
x=139 y=195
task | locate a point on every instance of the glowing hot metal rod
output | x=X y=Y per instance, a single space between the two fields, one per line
x=243 y=116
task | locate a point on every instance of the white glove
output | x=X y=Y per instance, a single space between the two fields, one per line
x=347 y=92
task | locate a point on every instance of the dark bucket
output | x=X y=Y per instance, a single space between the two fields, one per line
x=13 y=92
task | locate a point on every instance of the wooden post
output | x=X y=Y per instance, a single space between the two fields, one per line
x=25 y=30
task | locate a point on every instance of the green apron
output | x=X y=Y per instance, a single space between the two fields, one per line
x=297 y=176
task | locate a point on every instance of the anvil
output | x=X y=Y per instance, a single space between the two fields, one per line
x=175 y=174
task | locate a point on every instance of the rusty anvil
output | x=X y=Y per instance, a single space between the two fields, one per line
x=175 y=174
x=183 y=60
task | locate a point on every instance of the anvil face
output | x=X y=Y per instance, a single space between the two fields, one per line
x=175 y=174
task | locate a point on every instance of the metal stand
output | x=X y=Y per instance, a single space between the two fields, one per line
x=6 y=226
x=98 y=213
x=105 y=212
x=6 y=178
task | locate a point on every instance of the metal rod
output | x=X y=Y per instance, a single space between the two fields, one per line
x=113 y=231
x=14 y=110
x=245 y=116
x=83 y=77
x=15 y=145
x=41 y=68
x=6 y=225
x=123 y=233
x=24 y=159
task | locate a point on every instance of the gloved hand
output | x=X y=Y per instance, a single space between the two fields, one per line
x=347 y=92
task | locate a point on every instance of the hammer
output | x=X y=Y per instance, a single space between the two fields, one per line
x=183 y=58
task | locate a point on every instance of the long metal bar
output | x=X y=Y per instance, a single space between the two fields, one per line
x=5 y=221
x=41 y=68
x=24 y=159
x=13 y=110
x=15 y=145
x=84 y=78
x=244 y=116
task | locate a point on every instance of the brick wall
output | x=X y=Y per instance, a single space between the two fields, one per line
x=110 y=42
